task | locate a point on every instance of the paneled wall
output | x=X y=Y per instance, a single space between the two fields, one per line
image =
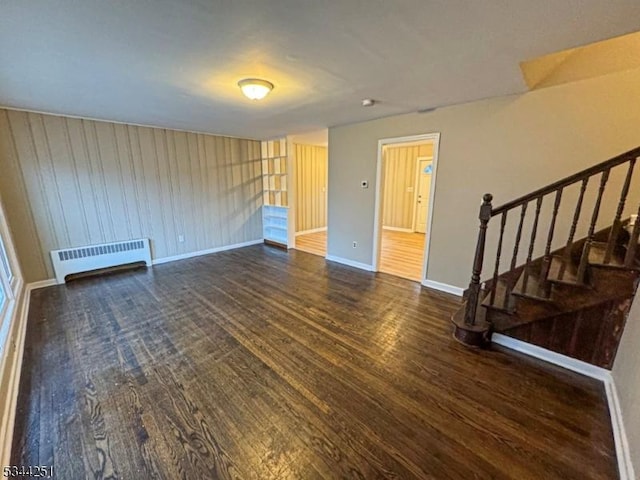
x=70 y=182
x=399 y=183
x=311 y=187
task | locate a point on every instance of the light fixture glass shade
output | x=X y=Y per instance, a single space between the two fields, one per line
x=254 y=88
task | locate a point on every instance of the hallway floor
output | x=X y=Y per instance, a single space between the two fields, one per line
x=402 y=252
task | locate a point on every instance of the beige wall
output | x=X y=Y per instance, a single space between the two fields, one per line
x=399 y=184
x=311 y=187
x=69 y=182
x=626 y=372
x=508 y=146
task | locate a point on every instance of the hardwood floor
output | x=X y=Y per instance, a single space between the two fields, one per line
x=315 y=243
x=261 y=364
x=402 y=254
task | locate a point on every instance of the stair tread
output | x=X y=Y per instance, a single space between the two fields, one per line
x=569 y=276
x=502 y=293
x=596 y=256
x=534 y=288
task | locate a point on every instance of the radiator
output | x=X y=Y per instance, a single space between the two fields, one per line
x=94 y=257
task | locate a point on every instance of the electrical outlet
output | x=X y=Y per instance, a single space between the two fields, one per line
x=355 y=244
x=181 y=238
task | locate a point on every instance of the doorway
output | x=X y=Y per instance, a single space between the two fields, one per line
x=310 y=172
x=404 y=200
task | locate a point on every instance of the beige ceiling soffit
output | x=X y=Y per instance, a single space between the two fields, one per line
x=596 y=59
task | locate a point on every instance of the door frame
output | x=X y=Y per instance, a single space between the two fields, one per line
x=377 y=223
x=415 y=189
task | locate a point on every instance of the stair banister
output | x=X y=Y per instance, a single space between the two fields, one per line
x=474 y=285
x=589 y=172
x=633 y=241
x=592 y=225
x=613 y=235
x=467 y=325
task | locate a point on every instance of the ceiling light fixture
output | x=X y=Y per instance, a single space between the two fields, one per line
x=254 y=88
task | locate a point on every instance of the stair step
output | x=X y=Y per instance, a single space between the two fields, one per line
x=597 y=253
x=503 y=301
x=534 y=289
x=569 y=276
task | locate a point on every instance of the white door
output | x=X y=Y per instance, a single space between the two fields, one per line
x=425 y=168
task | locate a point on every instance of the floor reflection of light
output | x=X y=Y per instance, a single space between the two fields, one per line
x=388 y=332
x=277 y=457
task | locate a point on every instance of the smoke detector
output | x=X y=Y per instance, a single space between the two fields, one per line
x=368 y=102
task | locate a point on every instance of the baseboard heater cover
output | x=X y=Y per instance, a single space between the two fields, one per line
x=94 y=257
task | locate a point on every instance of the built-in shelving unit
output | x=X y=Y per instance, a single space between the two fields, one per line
x=274 y=172
x=275 y=221
x=275 y=212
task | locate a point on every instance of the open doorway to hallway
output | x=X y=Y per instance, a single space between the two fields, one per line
x=310 y=170
x=405 y=179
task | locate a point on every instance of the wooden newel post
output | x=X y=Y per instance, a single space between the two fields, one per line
x=474 y=285
x=467 y=328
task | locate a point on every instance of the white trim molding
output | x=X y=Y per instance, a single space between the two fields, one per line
x=623 y=453
x=184 y=256
x=11 y=367
x=548 y=356
x=350 y=263
x=312 y=230
x=443 y=287
x=42 y=284
x=379 y=193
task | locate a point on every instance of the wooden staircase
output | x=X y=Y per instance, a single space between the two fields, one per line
x=574 y=295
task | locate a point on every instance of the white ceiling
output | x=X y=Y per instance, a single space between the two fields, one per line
x=175 y=63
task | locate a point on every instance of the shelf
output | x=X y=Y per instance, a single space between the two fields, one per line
x=275 y=213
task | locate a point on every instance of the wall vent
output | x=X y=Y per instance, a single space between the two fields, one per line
x=93 y=257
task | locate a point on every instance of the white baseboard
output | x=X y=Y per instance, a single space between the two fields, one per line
x=443 y=287
x=12 y=367
x=42 y=284
x=563 y=361
x=623 y=454
x=158 y=261
x=350 y=263
x=313 y=230
x=398 y=229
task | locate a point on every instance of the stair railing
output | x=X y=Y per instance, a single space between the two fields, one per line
x=555 y=189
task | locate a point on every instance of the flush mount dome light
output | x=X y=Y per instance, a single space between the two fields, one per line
x=254 y=88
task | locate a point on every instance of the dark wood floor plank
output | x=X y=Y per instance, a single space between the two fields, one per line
x=362 y=372
x=313 y=366
x=262 y=364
